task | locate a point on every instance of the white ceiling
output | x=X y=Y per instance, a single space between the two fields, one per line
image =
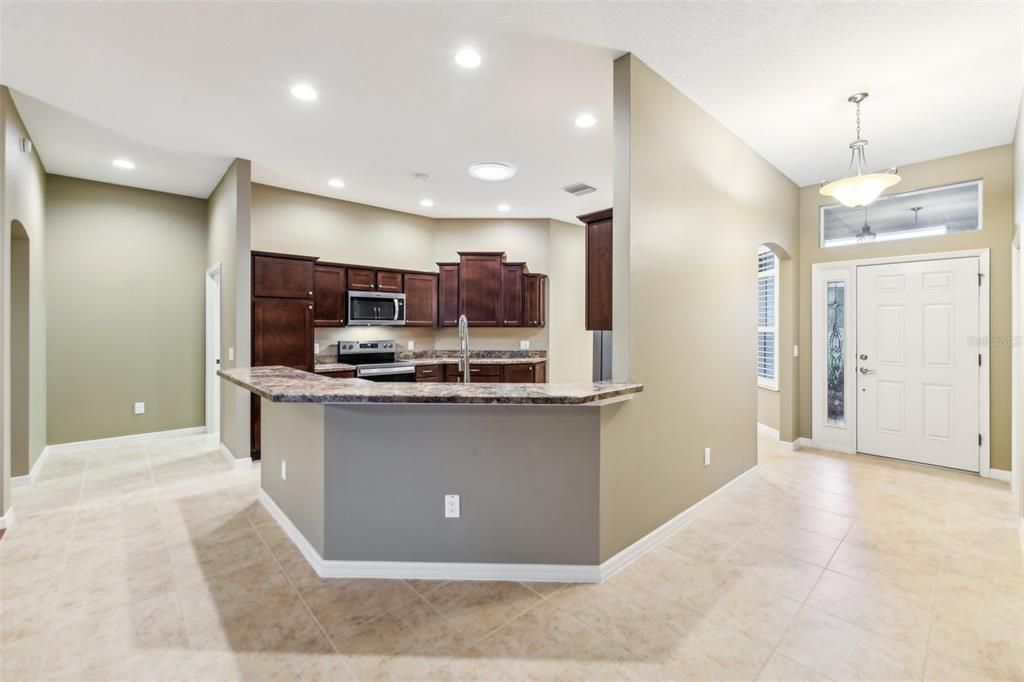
x=183 y=88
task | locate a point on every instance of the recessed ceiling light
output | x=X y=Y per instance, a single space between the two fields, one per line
x=492 y=171
x=336 y=182
x=468 y=58
x=304 y=91
x=124 y=164
x=585 y=121
x=426 y=203
x=504 y=208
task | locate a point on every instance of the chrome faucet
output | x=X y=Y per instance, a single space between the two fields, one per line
x=464 y=348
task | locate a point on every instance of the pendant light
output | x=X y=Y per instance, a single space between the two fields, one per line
x=866 y=235
x=859 y=188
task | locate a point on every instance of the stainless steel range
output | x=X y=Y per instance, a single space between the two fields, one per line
x=375 y=360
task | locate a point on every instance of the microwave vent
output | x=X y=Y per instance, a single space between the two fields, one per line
x=579 y=189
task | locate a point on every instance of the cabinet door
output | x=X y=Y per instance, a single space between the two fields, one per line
x=282 y=333
x=362 y=279
x=389 y=281
x=328 y=296
x=512 y=294
x=429 y=373
x=534 y=295
x=420 y=300
x=480 y=289
x=599 y=270
x=540 y=373
x=448 y=294
x=278 y=277
x=478 y=374
x=518 y=374
x=343 y=374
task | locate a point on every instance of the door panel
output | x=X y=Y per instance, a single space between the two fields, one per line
x=918 y=380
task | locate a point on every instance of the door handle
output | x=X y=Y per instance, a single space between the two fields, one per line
x=865 y=370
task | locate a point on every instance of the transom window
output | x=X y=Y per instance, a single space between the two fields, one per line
x=930 y=212
x=767 y=319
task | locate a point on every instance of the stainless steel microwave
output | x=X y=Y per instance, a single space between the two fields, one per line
x=371 y=308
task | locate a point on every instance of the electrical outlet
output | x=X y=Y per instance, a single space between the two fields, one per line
x=412 y=345
x=524 y=345
x=140 y=408
x=452 y=507
x=231 y=353
x=796 y=351
x=284 y=470
x=316 y=348
x=707 y=457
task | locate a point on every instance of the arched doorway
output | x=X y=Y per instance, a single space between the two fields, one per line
x=776 y=333
x=20 y=349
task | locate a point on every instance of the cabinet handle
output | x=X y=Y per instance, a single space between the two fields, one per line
x=309 y=293
x=473 y=370
x=310 y=307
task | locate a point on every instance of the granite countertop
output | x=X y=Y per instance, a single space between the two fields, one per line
x=449 y=358
x=332 y=367
x=285 y=385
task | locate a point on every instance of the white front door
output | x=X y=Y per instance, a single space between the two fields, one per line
x=918 y=379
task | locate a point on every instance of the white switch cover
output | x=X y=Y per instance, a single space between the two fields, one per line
x=231 y=352
x=796 y=351
x=316 y=348
x=412 y=345
x=524 y=345
x=284 y=470
x=452 y=507
x=707 y=456
x=140 y=408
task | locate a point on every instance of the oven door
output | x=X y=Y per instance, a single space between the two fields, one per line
x=373 y=309
x=392 y=373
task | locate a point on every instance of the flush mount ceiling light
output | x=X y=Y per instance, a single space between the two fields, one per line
x=305 y=92
x=336 y=182
x=504 y=208
x=492 y=171
x=859 y=188
x=585 y=121
x=124 y=164
x=426 y=203
x=468 y=58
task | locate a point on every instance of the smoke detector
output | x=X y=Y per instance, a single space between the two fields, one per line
x=578 y=189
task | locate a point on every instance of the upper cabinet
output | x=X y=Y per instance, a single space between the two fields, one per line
x=512 y=294
x=535 y=290
x=420 y=300
x=362 y=279
x=480 y=287
x=329 y=299
x=599 y=269
x=448 y=294
x=389 y=281
x=282 y=276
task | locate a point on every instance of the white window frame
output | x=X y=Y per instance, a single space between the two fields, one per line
x=764 y=382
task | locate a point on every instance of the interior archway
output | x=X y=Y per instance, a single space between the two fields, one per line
x=776 y=397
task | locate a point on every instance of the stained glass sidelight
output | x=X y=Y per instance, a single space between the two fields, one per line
x=835 y=339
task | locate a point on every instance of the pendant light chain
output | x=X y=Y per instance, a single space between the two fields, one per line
x=858 y=120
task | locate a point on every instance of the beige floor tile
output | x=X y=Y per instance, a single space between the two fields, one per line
x=750 y=607
x=545 y=589
x=22 y=660
x=814 y=520
x=25 y=615
x=782 y=669
x=879 y=608
x=342 y=606
x=914 y=574
x=203 y=558
x=844 y=651
x=777 y=571
x=700 y=542
x=108 y=576
x=795 y=542
x=234 y=594
x=287 y=628
x=980 y=629
x=423 y=587
x=476 y=608
x=937 y=669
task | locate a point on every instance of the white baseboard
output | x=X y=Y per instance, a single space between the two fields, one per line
x=439 y=570
x=998 y=474
x=237 y=462
x=30 y=477
x=62 y=448
x=7 y=520
x=767 y=431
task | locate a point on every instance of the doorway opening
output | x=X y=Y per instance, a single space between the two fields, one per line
x=20 y=350
x=212 y=281
x=900 y=367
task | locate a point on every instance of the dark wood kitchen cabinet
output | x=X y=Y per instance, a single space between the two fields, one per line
x=518 y=374
x=478 y=374
x=389 y=281
x=420 y=300
x=448 y=294
x=341 y=374
x=599 y=269
x=282 y=276
x=429 y=373
x=480 y=287
x=535 y=287
x=362 y=279
x=512 y=294
x=329 y=297
x=282 y=333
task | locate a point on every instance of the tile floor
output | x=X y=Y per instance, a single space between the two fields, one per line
x=154 y=562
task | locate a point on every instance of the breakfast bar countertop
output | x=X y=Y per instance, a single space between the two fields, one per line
x=286 y=385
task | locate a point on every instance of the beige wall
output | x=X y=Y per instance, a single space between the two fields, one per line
x=768 y=407
x=293 y=222
x=228 y=223
x=124 y=295
x=698 y=203
x=23 y=181
x=995 y=167
x=1018 y=253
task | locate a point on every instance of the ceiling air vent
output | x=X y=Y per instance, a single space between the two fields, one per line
x=579 y=189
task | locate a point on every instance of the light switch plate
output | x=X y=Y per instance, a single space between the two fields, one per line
x=707 y=457
x=231 y=353
x=452 y=507
x=524 y=345
x=796 y=351
x=412 y=345
x=140 y=408
x=316 y=348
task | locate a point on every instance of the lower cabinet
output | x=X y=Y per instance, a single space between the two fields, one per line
x=497 y=374
x=343 y=374
x=429 y=373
